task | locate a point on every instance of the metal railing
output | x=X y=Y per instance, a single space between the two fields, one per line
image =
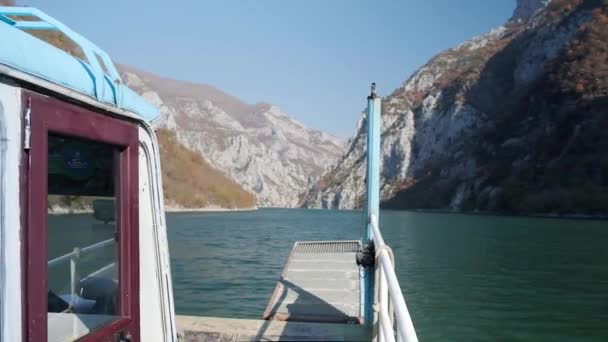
x=74 y=258
x=390 y=304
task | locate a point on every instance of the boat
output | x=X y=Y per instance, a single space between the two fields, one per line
x=73 y=136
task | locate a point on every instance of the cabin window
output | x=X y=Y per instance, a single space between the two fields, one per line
x=83 y=282
x=61 y=41
x=82 y=237
x=102 y=64
x=25 y=18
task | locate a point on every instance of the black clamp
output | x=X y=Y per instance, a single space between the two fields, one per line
x=367 y=256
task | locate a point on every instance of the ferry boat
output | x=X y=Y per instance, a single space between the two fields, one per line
x=74 y=137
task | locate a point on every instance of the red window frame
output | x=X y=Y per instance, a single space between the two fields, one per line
x=50 y=115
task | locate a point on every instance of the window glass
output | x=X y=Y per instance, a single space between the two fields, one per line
x=61 y=41
x=102 y=64
x=25 y=18
x=83 y=282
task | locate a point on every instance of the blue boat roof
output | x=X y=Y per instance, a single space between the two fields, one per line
x=92 y=73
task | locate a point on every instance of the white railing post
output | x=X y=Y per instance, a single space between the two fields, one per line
x=388 y=278
x=376 y=332
x=385 y=320
x=74 y=278
x=81 y=251
x=405 y=327
x=74 y=258
x=399 y=339
x=387 y=334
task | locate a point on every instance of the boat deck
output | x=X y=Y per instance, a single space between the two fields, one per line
x=320 y=283
x=214 y=329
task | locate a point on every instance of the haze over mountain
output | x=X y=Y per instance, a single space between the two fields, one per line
x=270 y=154
x=511 y=121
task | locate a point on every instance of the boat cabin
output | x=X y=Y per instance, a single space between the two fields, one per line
x=74 y=139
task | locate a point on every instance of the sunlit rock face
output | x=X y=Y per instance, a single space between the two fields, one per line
x=495 y=123
x=527 y=8
x=267 y=152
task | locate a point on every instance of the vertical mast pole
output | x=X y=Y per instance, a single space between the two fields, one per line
x=372 y=198
x=374 y=109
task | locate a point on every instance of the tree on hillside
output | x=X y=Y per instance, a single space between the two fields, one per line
x=7 y=3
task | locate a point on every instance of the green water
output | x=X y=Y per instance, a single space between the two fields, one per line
x=465 y=278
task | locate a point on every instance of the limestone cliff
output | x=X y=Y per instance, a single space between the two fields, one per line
x=511 y=121
x=270 y=154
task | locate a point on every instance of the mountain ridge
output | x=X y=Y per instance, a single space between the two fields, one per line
x=259 y=146
x=455 y=134
x=189 y=181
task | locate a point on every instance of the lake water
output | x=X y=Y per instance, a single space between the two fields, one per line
x=465 y=277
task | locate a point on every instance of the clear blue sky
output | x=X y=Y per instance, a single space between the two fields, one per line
x=314 y=59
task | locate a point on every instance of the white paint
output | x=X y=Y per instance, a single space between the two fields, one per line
x=10 y=213
x=156 y=295
x=150 y=278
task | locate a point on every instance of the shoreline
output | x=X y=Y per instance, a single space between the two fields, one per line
x=68 y=211
x=170 y=209
x=480 y=213
x=484 y=213
x=488 y=213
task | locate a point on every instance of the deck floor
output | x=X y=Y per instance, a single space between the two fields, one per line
x=215 y=329
x=320 y=283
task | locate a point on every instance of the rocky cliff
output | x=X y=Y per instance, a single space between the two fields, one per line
x=512 y=121
x=189 y=181
x=260 y=147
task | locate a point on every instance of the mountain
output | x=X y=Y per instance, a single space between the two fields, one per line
x=243 y=148
x=189 y=181
x=513 y=121
x=260 y=147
